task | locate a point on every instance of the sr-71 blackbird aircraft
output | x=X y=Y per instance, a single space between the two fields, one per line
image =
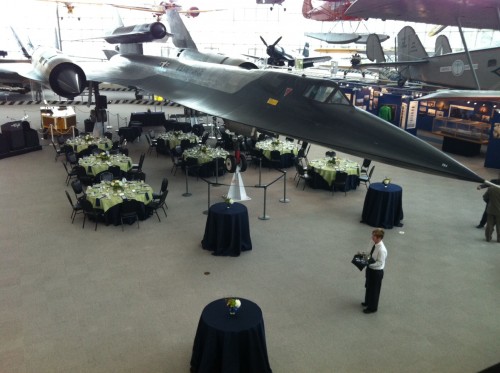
x=314 y=110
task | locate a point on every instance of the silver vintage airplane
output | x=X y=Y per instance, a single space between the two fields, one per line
x=478 y=14
x=444 y=68
x=313 y=110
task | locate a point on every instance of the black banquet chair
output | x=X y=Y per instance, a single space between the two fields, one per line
x=157 y=204
x=302 y=174
x=364 y=166
x=163 y=187
x=365 y=179
x=129 y=211
x=116 y=171
x=106 y=176
x=77 y=207
x=70 y=173
x=340 y=182
x=90 y=212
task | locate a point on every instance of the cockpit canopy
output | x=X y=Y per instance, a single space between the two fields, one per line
x=328 y=94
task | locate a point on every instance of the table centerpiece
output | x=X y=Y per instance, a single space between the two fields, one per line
x=233 y=304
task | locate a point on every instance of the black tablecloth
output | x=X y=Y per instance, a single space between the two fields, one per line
x=149 y=119
x=227 y=231
x=317 y=182
x=230 y=344
x=383 y=206
x=462 y=147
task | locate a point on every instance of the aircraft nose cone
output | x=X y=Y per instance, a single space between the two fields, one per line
x=67 y=80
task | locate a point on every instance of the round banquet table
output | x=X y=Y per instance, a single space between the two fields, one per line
x=227 y=231
x=230 y=344
x=383 y=206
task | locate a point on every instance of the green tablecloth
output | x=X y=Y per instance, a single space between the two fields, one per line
x=174 y=138
x=284 y=147
x=82 y=143
x=93 y=165
x=328 y=170
x=104 y=196
x=205 y=154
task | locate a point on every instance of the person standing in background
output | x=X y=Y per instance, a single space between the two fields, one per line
x=482 y=222
x=492 y=199
x=375 y=272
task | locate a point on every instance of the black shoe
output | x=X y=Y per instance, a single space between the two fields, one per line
x=363 y=304
x=367 y=310
x=479 y=226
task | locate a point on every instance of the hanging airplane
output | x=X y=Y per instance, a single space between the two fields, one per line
x=327 y=10
x=342 y=38
x=272 y=2
x=279 y=57
x=478 y=14
x=158 y=10
x=314 y=110
x=444 y=69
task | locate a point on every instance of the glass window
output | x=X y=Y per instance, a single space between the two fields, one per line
x=326 y=93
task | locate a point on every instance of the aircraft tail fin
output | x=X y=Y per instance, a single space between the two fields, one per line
x=26 y=49
x=305 y=51
x=410 y=47
x=181 y=36
x=374 y=50
x=442 y=45
x=109 y=53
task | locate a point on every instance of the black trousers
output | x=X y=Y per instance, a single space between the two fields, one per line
x=373 y=284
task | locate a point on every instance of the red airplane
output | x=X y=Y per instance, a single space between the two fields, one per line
x=327 y=10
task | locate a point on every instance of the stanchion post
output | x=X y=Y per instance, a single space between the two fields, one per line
x=216 y=170
x=264 y=216
x=284 y=199
x=187 y=194
x=206 y=211
x=260 y=169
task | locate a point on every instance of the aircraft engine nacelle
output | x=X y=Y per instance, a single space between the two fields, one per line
x=137 y=34
x=61 y=73
x=216 y=58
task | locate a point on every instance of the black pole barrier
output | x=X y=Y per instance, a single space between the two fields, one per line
x=260 y=169
x=187 y=194
x=284 y=199
x=216 y=169
x=264 y=216
x=206 y=211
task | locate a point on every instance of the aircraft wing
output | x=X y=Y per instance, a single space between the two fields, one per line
x=393 y=64
x=480 y=14
x=310 y=60
x=457 y=94
x=333 y=37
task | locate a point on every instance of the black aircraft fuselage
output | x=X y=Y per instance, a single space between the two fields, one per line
x=306 y=108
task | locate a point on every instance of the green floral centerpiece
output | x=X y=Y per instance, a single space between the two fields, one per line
x=103 y=156
x=275 y=142
x=332 y=162
x=204 y=149
x=117 y=185
x=233 y=304
x=178 y=133
x=228 y=201
x=386 y=181
x=88 y=138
